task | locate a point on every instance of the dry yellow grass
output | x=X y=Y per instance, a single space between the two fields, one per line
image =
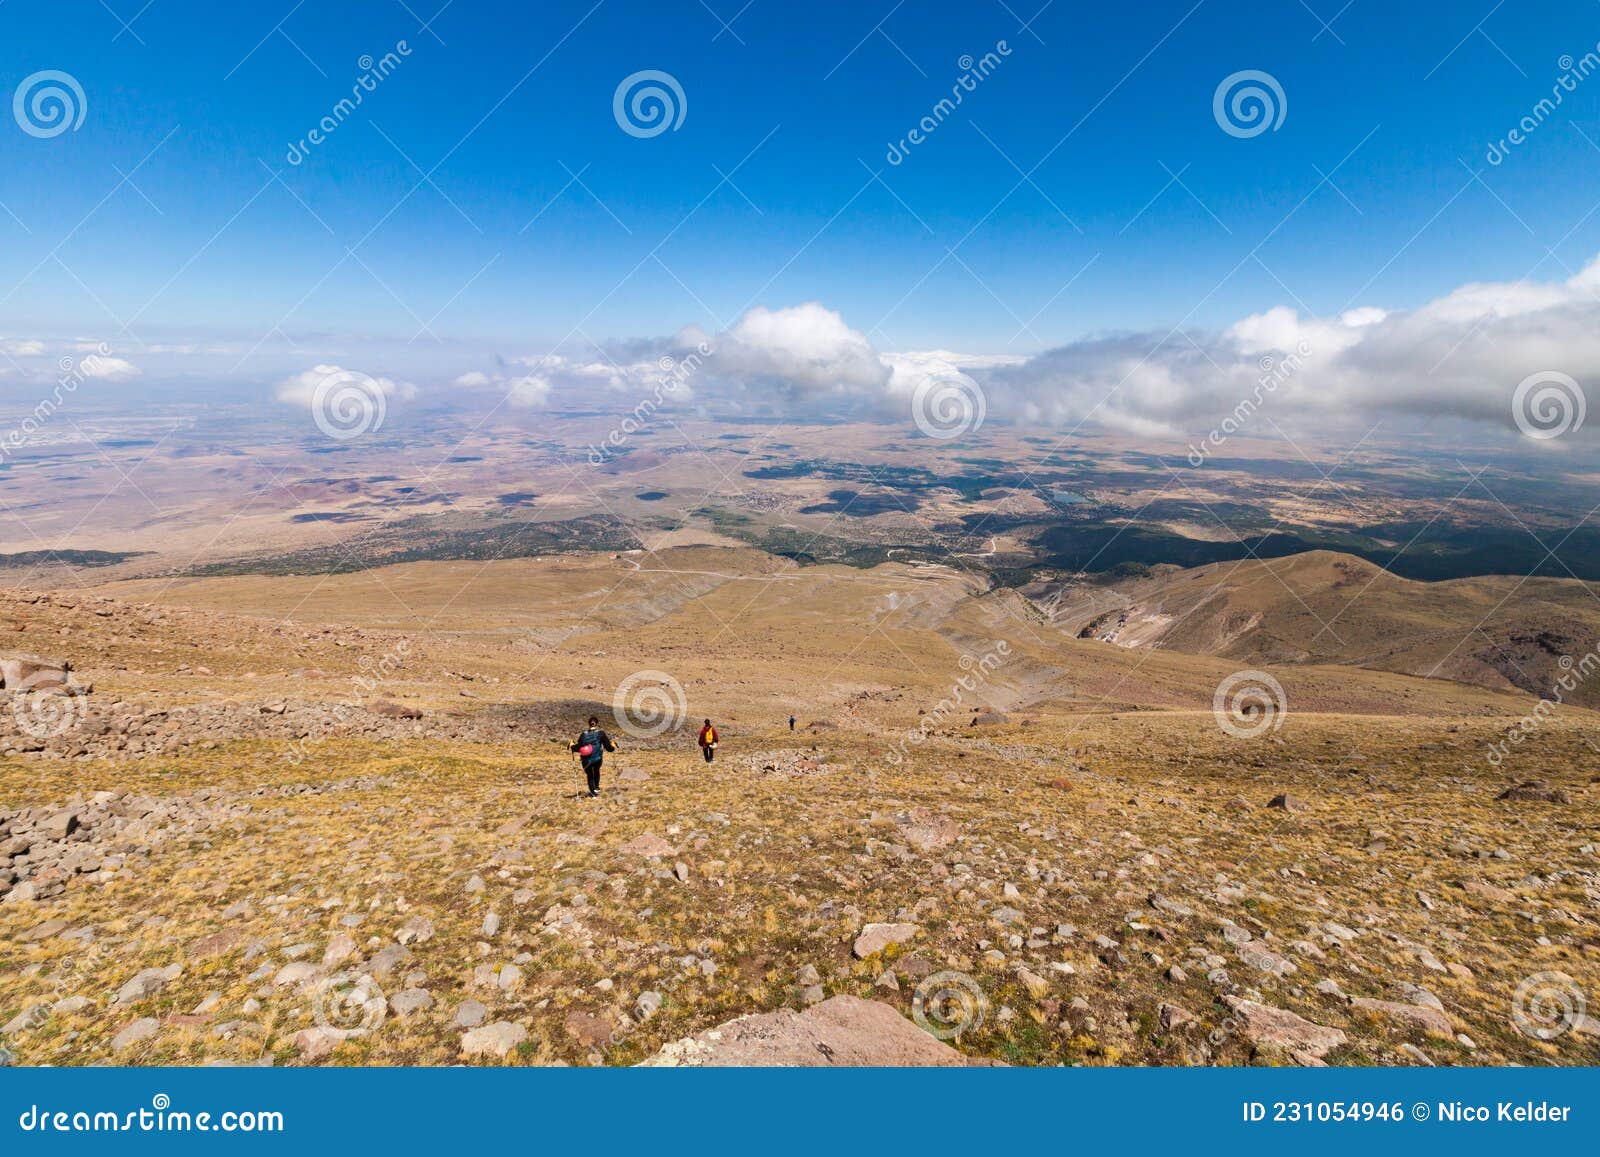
x=1146 y=827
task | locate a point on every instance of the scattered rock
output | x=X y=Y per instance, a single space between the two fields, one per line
x=495 y=1039
x=588 y=1029
x=297 y=973
x=843 y=1030
x=1173 y=1017
x=1534 y=791
x=410 y=1000
x=142 y=1029
x=877 y=937
x=316 y=1042
x=1429 y=1020
x=29 y=1017
x=1257 y=955
x=649 y=844
x=147 y=983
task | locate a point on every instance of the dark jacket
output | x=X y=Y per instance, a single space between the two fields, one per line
x=596 y=738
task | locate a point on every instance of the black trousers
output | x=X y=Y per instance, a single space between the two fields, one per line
x=592 y=771
x=709 y=752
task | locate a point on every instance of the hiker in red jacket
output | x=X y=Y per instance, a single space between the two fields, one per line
x=708 y=741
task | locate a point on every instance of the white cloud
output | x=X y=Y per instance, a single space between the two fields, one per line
x=804 y=349
x=546 y=373
x=1461 y=355
x=529 y=390
x=302 y=389
x=106 y=368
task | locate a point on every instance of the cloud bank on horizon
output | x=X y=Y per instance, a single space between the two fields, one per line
x=1462 y=355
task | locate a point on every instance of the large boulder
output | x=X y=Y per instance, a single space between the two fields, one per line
x=1432 y=1021
x=18 y=670
x=394 y=710
x=843 y=1030
x=1277 y=1031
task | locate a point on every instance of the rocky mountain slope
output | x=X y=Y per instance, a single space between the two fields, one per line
x=1327 y=608
x=348 y=838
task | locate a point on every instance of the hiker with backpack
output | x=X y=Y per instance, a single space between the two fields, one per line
x=708 y=741
x=591 y=747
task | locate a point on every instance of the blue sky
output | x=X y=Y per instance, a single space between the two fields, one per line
x=503 y=247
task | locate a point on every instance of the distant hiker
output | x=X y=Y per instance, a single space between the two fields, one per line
x=708 y=741
x=791 y=723
x=591 y=746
